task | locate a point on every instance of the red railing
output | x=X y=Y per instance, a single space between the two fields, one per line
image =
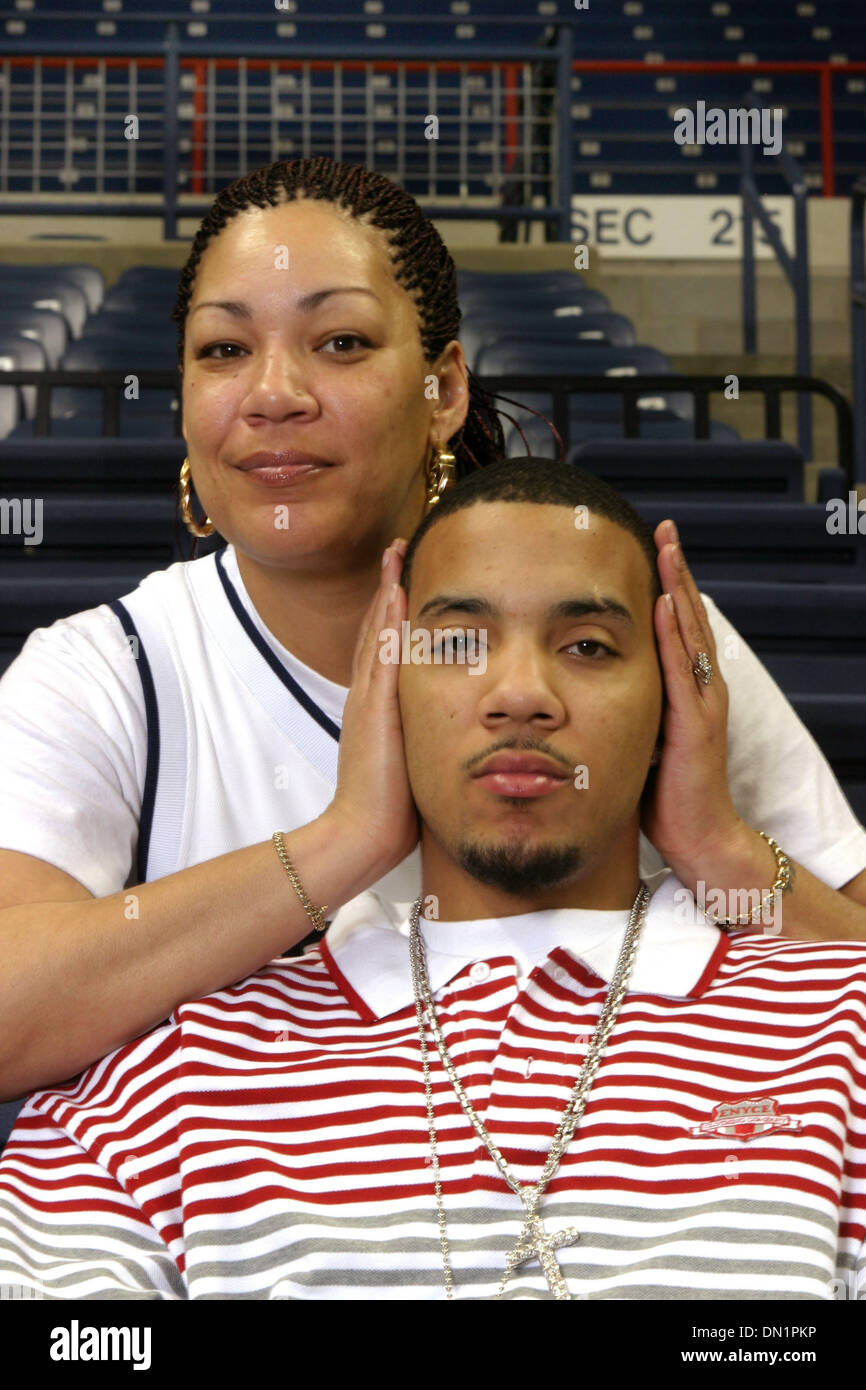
x=824 y=72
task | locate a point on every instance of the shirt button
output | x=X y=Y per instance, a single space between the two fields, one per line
x=479 y=971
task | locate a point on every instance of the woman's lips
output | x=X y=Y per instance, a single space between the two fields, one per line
x=282 y=475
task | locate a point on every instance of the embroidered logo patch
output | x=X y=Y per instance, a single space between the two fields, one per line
x=745 y=1119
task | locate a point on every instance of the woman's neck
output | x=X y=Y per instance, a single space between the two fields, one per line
x=317 y=617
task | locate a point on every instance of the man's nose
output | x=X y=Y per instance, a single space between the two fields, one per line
x=520 y=688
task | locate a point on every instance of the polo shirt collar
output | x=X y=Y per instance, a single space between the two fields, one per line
x=368 y=954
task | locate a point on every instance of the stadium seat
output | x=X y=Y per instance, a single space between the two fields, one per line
x=765 y=470
x=99 y=465
x=516 y=353
x=605 y=425
x=738 y=540
x=101 y=528
x=19 y=354
x=107 y=353
x=23 y=285
x=30 y=601
x=482 y=326
x=45 y=326
x=87 y=425
x=8 y=1114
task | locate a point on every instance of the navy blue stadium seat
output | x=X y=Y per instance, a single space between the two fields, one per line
x=836 y=722
x=23 y=285
x=19 y=354
x=45 y=326
x=738 y=540
x=87 y=425
x=482 y=326
x=103 y=528
x=522 y=352
x=540 y=356
x=8 y=1114
x=105 y=353
x=35 y=600
x=98 y=465
x=812 y=638
x=766 y=470
x=573 y=299
x=588 y=424
x=88 y=278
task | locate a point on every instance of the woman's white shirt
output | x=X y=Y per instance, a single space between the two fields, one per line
x=142 y=737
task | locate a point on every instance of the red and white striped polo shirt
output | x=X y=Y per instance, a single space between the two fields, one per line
x=270 y=1140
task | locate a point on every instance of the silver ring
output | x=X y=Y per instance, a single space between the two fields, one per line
x=703 y=668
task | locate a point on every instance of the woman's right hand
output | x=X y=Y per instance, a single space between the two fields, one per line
x=373 y=795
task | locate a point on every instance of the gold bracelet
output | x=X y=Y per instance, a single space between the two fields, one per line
x=315 y=914
x=784 y=875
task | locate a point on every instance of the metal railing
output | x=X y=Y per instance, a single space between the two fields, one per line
x=516 y=67
x=630 y=389
x=857 y=297
x=701 y=387
x=233 y=108
x=795 y=268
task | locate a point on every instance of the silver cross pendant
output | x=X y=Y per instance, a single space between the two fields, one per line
x=536 y=1244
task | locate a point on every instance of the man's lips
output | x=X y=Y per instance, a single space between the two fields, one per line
x=521 y=774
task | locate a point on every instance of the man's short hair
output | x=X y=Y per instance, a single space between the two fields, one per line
x=546 y=482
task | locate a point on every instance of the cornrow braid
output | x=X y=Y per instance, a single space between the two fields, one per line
x=422 y=265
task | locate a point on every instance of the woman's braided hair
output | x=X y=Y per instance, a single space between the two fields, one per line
x=422 y=265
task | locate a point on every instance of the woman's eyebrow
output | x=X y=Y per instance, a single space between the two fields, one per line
x=307 y=302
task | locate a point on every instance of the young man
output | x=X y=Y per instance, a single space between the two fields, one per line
x=556 y=1082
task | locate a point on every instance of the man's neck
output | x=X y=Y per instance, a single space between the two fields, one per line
x=607 y=886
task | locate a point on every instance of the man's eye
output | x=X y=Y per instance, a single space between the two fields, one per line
x=598 y=649
x=453 y=642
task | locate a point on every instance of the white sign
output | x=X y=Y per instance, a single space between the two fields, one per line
x=698 y=227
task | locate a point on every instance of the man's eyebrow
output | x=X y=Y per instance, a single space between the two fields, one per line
x=584 y=607
x=457 y=603
x=305 y=303
x=565 y=608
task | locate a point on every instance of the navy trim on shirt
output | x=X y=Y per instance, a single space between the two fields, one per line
x=151 y=709
x=298 y=691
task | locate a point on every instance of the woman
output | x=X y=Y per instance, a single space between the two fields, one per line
x=188 y=721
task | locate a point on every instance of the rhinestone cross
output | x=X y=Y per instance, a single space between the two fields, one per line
x=535 y=1243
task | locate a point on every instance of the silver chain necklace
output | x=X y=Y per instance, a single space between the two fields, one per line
x=534 y=1242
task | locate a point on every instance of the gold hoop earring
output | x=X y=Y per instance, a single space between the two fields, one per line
x=441 y=473
x=198 y=529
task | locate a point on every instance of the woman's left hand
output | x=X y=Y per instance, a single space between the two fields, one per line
x=689 y=815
